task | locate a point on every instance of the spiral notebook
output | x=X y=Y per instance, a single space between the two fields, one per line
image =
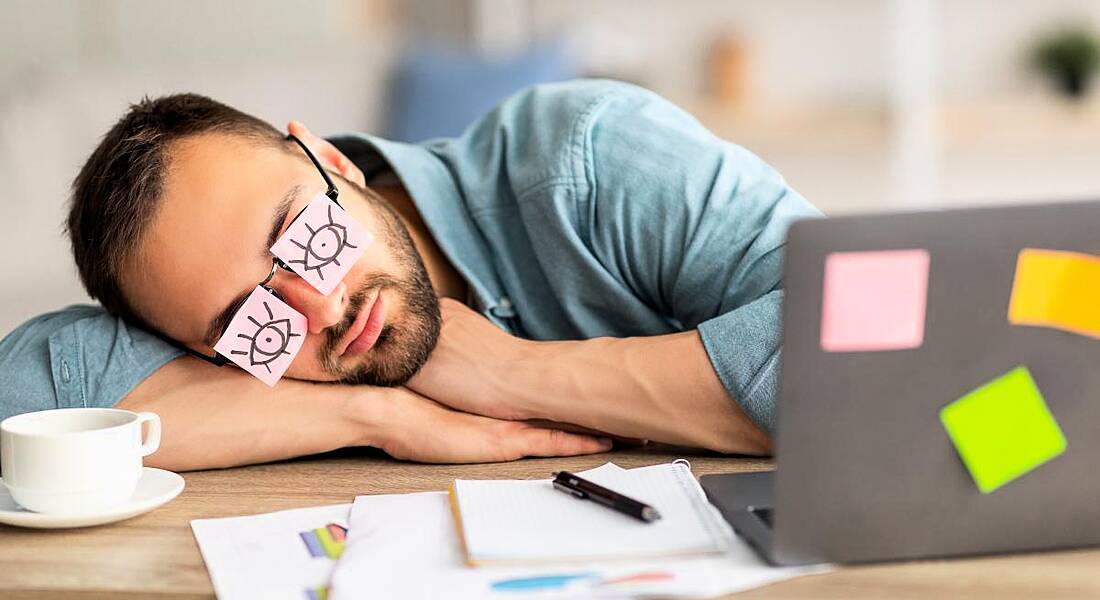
x=524 y=522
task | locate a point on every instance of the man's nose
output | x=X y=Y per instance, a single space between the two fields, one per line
x=320 y=310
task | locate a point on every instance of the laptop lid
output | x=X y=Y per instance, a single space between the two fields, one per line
x=866 y=469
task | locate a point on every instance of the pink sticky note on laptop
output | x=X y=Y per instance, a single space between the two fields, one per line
x=874 y=301
x=322 y=244
x=264 y=336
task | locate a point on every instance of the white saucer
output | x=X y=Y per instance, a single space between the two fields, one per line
x=156 y=487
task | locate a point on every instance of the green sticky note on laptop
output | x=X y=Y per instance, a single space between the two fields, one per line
x=1003 y=429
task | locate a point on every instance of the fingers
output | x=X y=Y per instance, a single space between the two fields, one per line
x=536 y=441
x=426 y=431
x=571 y=428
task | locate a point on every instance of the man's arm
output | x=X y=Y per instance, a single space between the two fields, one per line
x=83 y=357
x=215 y=418
x=221 y=417
x=660 y=388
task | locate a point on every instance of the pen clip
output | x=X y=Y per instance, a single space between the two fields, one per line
x=570 y=490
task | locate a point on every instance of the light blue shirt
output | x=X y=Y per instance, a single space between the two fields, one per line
x=573 y=211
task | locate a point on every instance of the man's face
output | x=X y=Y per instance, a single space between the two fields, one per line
x=208 y=246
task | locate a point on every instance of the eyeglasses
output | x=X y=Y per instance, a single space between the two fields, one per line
x=320 y=245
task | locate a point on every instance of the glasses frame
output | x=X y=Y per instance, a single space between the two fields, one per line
x=219 y=359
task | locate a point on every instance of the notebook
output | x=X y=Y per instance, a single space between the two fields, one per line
x=506 y=521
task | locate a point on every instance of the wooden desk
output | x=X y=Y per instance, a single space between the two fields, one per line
x=156 y=556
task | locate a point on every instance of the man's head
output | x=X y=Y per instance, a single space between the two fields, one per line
x=172 y=217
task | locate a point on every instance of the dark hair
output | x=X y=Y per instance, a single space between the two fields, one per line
x=117 y=191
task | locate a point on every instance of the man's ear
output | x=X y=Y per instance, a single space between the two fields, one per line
x=330 y=157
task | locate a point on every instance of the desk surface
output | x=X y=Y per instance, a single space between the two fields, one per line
x=155 y=555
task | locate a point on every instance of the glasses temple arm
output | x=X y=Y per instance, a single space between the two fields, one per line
x=332 y=192
x=217 y=360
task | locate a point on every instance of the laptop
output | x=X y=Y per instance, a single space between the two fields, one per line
x=865 y=470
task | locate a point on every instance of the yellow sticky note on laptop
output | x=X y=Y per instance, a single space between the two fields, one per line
x=1057 y=289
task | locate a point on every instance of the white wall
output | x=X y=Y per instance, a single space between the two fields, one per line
x=802 y=49
x=808 y=50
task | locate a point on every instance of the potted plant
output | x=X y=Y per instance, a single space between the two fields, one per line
x=1069 y=57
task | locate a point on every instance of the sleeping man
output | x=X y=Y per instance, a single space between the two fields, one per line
x=585 y=254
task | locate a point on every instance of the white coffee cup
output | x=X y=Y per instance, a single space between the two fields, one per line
x=75 y=460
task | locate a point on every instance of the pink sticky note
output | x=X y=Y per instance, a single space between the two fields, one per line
x=874 y=300
x=264 y=336
x=322 y=244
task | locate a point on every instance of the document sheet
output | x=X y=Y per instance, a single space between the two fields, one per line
x=288 y=554
x=406 y=546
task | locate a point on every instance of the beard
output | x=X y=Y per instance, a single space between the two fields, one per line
x=403 y=345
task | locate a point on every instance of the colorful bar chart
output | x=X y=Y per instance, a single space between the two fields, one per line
x=324 y=542
x=327 y=541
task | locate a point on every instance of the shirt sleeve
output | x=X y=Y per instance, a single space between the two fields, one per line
x=80 y=356
x=695 y=226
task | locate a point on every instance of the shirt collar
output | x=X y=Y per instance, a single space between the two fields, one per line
x=442 y=206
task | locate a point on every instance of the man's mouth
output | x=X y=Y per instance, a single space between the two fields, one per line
x=364 y=332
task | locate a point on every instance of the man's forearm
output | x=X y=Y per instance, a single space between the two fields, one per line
x=223 y=417
x=218 y=418
x=660 y=388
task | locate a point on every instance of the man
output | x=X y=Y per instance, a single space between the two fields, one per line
x=587 y=254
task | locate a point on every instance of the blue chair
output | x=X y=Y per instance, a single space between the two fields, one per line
x=437 y=91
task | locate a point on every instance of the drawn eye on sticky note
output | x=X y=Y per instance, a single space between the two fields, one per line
x=1056 y=289
x=322 y=244
x=874 y=301
x=1003 y=429
x=264 y=336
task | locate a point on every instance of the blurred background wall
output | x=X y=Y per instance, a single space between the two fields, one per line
x=864 y=105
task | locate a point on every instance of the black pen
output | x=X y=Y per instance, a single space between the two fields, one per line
x=586 y=490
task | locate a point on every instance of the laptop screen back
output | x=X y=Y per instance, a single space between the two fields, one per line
x=866 y=468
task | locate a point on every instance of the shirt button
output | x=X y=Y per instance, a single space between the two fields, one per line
x=503 y=309
x=65 y=371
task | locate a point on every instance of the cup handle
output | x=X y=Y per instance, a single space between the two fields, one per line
x=152 y=441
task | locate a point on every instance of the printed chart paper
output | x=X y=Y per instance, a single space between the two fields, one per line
x=282 y=555
x=874 y=301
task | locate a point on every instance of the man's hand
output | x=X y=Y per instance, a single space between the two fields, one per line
x=467 y=369
x=416 y=428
